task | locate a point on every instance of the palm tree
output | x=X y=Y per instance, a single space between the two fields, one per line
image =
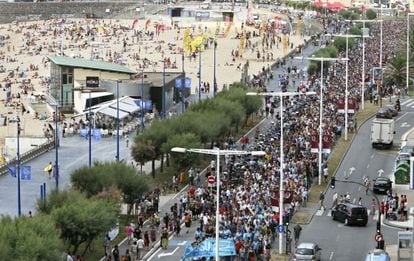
x=395 y=71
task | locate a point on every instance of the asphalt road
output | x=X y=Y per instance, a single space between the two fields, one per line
x=337 y=241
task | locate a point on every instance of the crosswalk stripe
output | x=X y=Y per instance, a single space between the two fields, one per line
x=319 y=212
x=409 y=104
x=407 y=101
x=329 y=214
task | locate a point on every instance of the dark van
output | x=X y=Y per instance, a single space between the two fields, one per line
x=350 y=214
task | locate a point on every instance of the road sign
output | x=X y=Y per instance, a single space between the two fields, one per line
x=211 y=180
x=281 y=229
x=378 y=237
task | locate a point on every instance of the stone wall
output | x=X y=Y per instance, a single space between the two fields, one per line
x=10 y=12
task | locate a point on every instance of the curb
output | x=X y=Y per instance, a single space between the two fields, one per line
x=387 y=223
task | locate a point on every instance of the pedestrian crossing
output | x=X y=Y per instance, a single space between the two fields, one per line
x=408 y=103
x=328 y=213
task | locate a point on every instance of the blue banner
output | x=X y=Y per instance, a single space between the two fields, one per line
x=12 y=170
x=26 y=173
x=97 y=134
x=84 y=133
x=207 y=249
x=179 y=83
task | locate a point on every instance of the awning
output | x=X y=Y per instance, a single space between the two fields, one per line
x=112 y=112
x=125 y=107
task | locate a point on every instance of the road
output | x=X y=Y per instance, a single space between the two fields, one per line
x=352 y=243
x=178 y=243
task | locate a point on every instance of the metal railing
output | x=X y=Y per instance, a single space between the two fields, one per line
x=28 y=155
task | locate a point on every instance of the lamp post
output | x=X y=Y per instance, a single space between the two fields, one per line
x=347 y=36
x=214 y=71
x=217 y=152
x=182 y=84
x=199 y=72
x=363 y=57
x=90 y=128
x=163 y=91
x=19 y=200
x=321 y=60
x=117 y=120
x=55 y=104
x=142 y=101
x=408 y=51
x=281 y=95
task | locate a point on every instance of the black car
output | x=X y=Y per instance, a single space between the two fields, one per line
x=350 y=214
x=382 y=185
x=384 y=113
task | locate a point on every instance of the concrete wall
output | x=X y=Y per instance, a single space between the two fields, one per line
x=10 y=12
x=26 y=144
x=80 y=75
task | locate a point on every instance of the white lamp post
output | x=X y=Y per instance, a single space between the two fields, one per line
x=281 y=95
x=321 y=60
x=408 y=51
x=363 y=57
x=218 y=153
x=347 y=36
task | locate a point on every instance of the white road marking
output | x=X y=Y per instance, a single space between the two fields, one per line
x=407 y=101
x=182 y=243
x=359 y=188
x=368 y=211
x=380 y=172
x=152 y=256
x=319 y=212
x=331 y=255
x=168 y=254
x=399 y=118
x=353 y=201
x=405 y=125
x=329 y=214
x=368 y=166
x=409 y=104
x=372 y=156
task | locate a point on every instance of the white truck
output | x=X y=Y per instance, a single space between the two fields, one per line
x=382 y=132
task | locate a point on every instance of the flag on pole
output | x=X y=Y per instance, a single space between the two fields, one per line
x=26 y=173
x=12 y=170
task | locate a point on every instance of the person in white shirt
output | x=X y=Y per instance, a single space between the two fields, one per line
x=140 y=247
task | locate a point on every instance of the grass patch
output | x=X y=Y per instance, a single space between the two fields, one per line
x=279 y=257
x=301 y=218
x=340 y=149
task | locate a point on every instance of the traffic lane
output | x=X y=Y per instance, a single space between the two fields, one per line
x=339 y=242
x=177 y=244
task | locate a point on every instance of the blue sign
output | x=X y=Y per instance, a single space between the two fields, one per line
x=26 y=173
x=147 y=104
x=202 y=14
x=281 y=229
x=179 y=83
x=84 y=133
x=12 y=170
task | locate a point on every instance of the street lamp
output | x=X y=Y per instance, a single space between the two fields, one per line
x=408 y=51
x=182 y=84
x=117 y=120
x=321 y=60
x=363 y=57
x=217 y=152
x=142 y=101
x=281 y=95
x=199 y=72
x=347 y=36
x=214 y=71
x=89 y=127
x=55 y=104
x=19 y=200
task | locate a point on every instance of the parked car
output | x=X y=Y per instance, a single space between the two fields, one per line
x=307 y=251
x=350 y=214
x=382 y=184
x=384 y=113
x=377 y=255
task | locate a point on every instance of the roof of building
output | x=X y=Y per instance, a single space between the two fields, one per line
x=90 y=64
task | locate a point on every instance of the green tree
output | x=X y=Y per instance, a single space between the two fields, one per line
x=371 y=14
x=185 y=140
x=133 y=187
x=395 y=71
x=84 y=220
x=27 y=238
x=143 y=151
x=57 y=199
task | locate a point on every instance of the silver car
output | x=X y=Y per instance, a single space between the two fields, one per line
x=307 y=251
